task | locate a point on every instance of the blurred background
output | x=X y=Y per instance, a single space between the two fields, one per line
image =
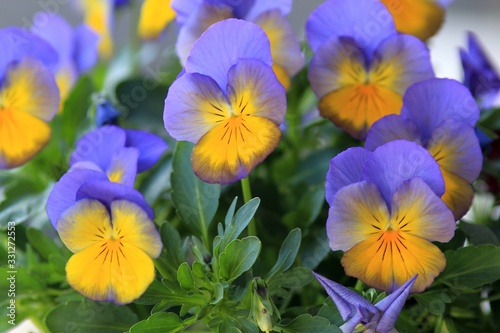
x=479 y=16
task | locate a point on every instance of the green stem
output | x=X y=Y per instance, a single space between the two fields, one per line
x=247 y=195
x=359 y=285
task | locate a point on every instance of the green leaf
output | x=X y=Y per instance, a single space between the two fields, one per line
x=173 y=254
x=43 y=244
x=434 y=301
x=308 y=323
x=471 y=267
x=287 y=254
x=185 y=277
x=23 y=201
x=90 y=316
x=195 y=200
x=74 y=118
x=239 y=257
x=479 y=234
x=281 y=285
x=240 y=221
x=160 y=322
x=308 y=208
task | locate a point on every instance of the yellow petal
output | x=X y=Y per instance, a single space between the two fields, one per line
x=229 y=151
x=22 y=136
x=133 y=227
x=458 y=194
x=86 y=223
x=356 y=107
x=420 y=18
x=30 y=87
x=98 y=18
x=110 y=271
x=389 y=259
x=155 y=16
x=282 y=76
x=65 y=78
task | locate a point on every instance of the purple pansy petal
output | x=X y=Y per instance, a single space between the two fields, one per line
x=86 y=165
x=150 y=147
x=17 y=43
x=285 y=46
x=429 y=103
x=63 y=194
x=393 y=163
x=188 y=119
x=483 y=83
x=332 y=64
x=258 y=7
x=354 y=212
x=57 y=32
x=123 y=166
x=98 y=146
x=345 y=169
x=107 y=192
x=350 y=325
x=390 y=128
x=345 y=299
x=392 y=305
x=199 y=21
x=85 y=52
x=408 y=60
x=223 y=44
x=106 y=114
x=455 y=145
x=367 y=22
x=253 y=87
x=184 y=8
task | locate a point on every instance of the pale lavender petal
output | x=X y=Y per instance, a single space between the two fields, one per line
x=188 y=119
x=391 y=128
x=431 y=102
x=150 y=147
x=98 y=146
x=368 y=22
x=85 y=52
x=107 y=192
x=123 y=166
x=63 y=194
x=345 y=169
x=223 y=44
x=393 y=163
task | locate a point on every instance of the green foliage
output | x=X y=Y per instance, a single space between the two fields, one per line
x=195 y=200
x=88 y=316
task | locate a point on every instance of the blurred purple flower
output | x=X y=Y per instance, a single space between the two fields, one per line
x=480 y=76
x=118 y=153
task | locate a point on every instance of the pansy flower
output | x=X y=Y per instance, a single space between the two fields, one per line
x=361 y=314
x=440 y=115
x=29 y=97
x=195 y=16
x=228 y=102
x=109 y=228
x=385 y=212
x=76 y=49
x=98 y=15
x=420 y=18
x=480 y=76
x=118 y=153
x=155 y=16
x=361 y=66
